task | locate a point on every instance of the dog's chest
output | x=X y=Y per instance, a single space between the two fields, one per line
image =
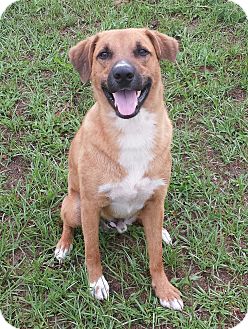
x=136 y=141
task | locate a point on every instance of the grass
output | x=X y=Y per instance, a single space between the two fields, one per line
x=42 y=104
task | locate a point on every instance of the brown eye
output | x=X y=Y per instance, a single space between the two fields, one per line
x=104 y=55
x=142 y=52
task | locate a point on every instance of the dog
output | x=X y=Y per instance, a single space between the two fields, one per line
x=120 y=160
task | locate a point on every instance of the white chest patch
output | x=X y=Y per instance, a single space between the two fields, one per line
x=135 y=142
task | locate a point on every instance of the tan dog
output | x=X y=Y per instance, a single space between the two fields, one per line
x=119 y=160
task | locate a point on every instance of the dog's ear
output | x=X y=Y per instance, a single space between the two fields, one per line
x=165 y=46
x=81 y=57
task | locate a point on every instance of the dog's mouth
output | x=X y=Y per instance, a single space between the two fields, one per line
x=125 y=102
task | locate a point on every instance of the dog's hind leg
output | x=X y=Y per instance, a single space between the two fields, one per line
x=70 y=215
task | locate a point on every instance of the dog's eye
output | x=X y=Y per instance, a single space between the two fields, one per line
x=142 y=52
x=104 y=55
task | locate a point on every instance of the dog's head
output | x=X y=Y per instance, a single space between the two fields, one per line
x=123 y=65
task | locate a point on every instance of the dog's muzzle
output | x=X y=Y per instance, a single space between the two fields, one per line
x=125 y=89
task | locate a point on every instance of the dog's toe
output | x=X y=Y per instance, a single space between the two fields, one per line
x=166 y=236
x=100 y=288
x=174 y=304
x=121 y=228
x=177 y=304
x=61 y=252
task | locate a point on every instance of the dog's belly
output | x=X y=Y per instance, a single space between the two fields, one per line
x=127 y=198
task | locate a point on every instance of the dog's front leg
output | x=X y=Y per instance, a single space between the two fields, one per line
x=90 y=224
x=152 y=220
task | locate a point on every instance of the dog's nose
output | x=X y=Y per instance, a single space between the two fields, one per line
x=123 y=73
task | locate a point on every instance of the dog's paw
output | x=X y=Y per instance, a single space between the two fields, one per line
x=166 y=236
x=100 y=288
x=175 y=304
x=121 y=227
x=62 y=251
x=169 y=296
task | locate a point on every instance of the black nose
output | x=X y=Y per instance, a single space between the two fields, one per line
x=123 y=73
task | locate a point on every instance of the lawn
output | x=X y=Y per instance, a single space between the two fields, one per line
x=42 y=103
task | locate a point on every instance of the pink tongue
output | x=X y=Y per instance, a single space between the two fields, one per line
x=126 y=101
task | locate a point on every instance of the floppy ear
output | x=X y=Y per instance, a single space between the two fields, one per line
x=165 y=46
x=81 y=57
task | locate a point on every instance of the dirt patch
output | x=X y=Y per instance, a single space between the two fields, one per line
x=68 y=32
x=232 y=320
x=206 y=68
x=97 y=23
x=8 y=135
x=203 y=279
x=154 y=25
x=4 y=218
x=179 y=99
x=236 y=168
x=21 y=106
x=238 y=94
x=28 y=56
x=46 y=74
x=230 y=36
x=245 y=279
x=115 y=284
x=121 y=2
x=63 y=107
x=15 y=171
x=18 y=255
x=193 y=24
x=238 y=57
x=224 y=275
x=57 y=321
x=222 y=172
x=202 y=313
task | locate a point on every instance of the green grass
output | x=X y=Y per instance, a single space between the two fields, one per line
x=42 y=103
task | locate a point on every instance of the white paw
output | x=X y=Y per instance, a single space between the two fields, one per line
x=121 y=227
x=60 y=253
x=175 y=304
x=100 y=288
x=166 y=236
